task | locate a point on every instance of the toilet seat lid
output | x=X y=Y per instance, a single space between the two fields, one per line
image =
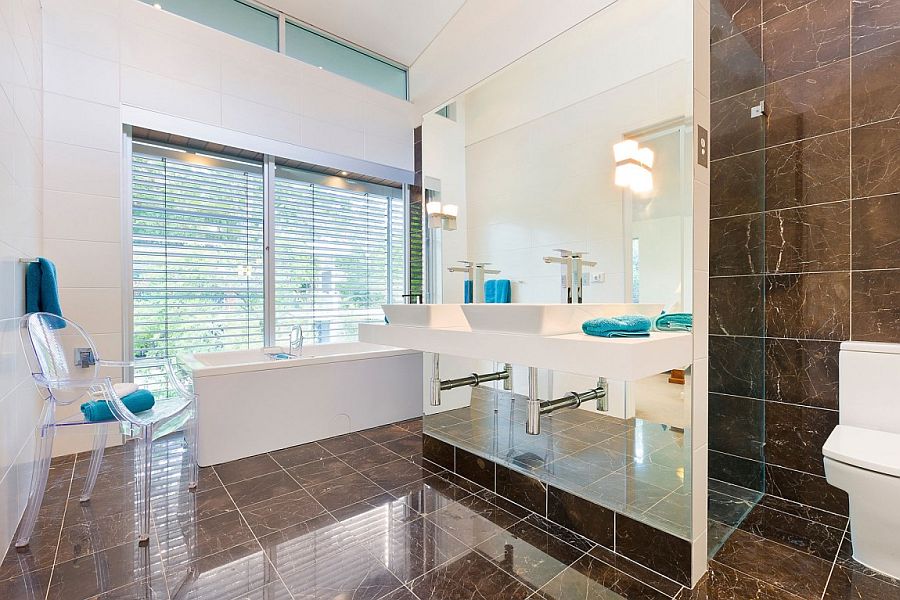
x=869 y=449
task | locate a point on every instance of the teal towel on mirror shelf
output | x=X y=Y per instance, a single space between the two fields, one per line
x=674 y=322
x=621 y=326
x=98 y=410
x=498 y=291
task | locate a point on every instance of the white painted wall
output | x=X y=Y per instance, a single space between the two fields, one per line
x=112 y=61
x=21 y=208
x=483 y=37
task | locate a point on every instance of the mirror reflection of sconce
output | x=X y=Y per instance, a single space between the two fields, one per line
x=442 y=216
x=634 y=166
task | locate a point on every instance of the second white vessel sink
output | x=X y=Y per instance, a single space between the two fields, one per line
x=547 y=319
x=425 y=315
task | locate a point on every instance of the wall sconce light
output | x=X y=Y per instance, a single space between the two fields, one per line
x=634 y=166
x=442 y=216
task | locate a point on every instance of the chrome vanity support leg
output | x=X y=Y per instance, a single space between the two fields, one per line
x=435 y=399
x=508 y=382
x=603 y=399
x=533 y=416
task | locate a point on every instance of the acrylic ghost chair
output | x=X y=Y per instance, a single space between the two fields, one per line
x=66 y=367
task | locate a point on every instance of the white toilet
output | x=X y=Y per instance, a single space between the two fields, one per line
x=862 y=454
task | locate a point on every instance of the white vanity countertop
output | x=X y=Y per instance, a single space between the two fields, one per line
x=621 y=358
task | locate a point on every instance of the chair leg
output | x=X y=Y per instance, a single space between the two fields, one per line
x=191 y=439
x=100 y=432
x=145 y=457
x=41 y=469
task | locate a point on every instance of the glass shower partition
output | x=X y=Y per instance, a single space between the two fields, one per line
x=737 y=265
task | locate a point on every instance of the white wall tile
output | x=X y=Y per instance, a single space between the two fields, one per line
x=86 y=217
x=331 y=137
x=82 y=27
x=81 y=123
x=257 y=119
x=170 y=96
x=82 y=170
x=98 y=310
x=85 y=264
x=392 y=151
x=79 y=75
x=170 y=56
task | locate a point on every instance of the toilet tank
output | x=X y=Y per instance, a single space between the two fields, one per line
x=870 y=385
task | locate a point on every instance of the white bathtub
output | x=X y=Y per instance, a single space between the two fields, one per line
x=249 y=403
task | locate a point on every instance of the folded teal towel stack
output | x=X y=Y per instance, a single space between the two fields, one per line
x=674 y=322
x=498 y=291
x=98 y=410
x=621 y=326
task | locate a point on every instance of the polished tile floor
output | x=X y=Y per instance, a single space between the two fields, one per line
x=635 y=467
x=361 y=517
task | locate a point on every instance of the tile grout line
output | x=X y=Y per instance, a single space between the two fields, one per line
x=834 y=562
x=61 y=526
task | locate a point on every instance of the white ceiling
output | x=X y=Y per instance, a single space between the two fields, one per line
x=397 y=29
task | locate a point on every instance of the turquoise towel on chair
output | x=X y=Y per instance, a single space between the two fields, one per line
x=467 y=292
x=42 y=291
x=674 y=322
x=621 y=326
x=498 y=291
x=98 y=410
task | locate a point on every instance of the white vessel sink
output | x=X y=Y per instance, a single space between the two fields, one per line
x=425 y=315
x=547 y=319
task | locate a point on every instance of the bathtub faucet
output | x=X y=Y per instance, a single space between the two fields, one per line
x=296 y=340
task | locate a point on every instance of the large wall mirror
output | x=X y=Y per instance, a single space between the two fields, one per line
x=527 y=162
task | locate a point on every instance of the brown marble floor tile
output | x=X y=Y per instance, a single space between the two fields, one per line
x=430 y=494
x=348 y=573
x=344 y=491
x=471 y=575
x=466 y=525
x=369 y=457
x=795 y=572
x=522 y=489
x=86 y=538
x=409 y=446
x=635 y=571
x=395 y=474
x=805 y=488
x=876 y=232
x=803 y=511
x=385 y=433
x=91 y=575
x=876 y=306
x=807 y=37
x=299 y=455
x=724 y=583
x=876 y=159
x=279 y=513
x=39 y=553
x=232 y=573
x=251 y=491
x=592 y=579
x=320 y=471
x=212 y=503
x=300 y=544
x=801 y=534
x=345 y=443
x=246 y=468
x=205 y=537
x=847 y=584
x=146 y=589
x=412 y=548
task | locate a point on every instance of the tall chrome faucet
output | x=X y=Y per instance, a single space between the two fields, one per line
x=475 y=272
x=573 y=264
x=296 y=340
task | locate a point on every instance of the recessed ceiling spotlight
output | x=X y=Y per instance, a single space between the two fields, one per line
x=344 y=173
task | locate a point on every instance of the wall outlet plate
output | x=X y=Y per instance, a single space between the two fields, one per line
x=598 y=277
x=702 y=147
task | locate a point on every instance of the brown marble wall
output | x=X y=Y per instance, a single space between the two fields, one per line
x=805 y=229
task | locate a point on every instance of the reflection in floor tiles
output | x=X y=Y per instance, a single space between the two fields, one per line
x=635 y=467
x=341 y=534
